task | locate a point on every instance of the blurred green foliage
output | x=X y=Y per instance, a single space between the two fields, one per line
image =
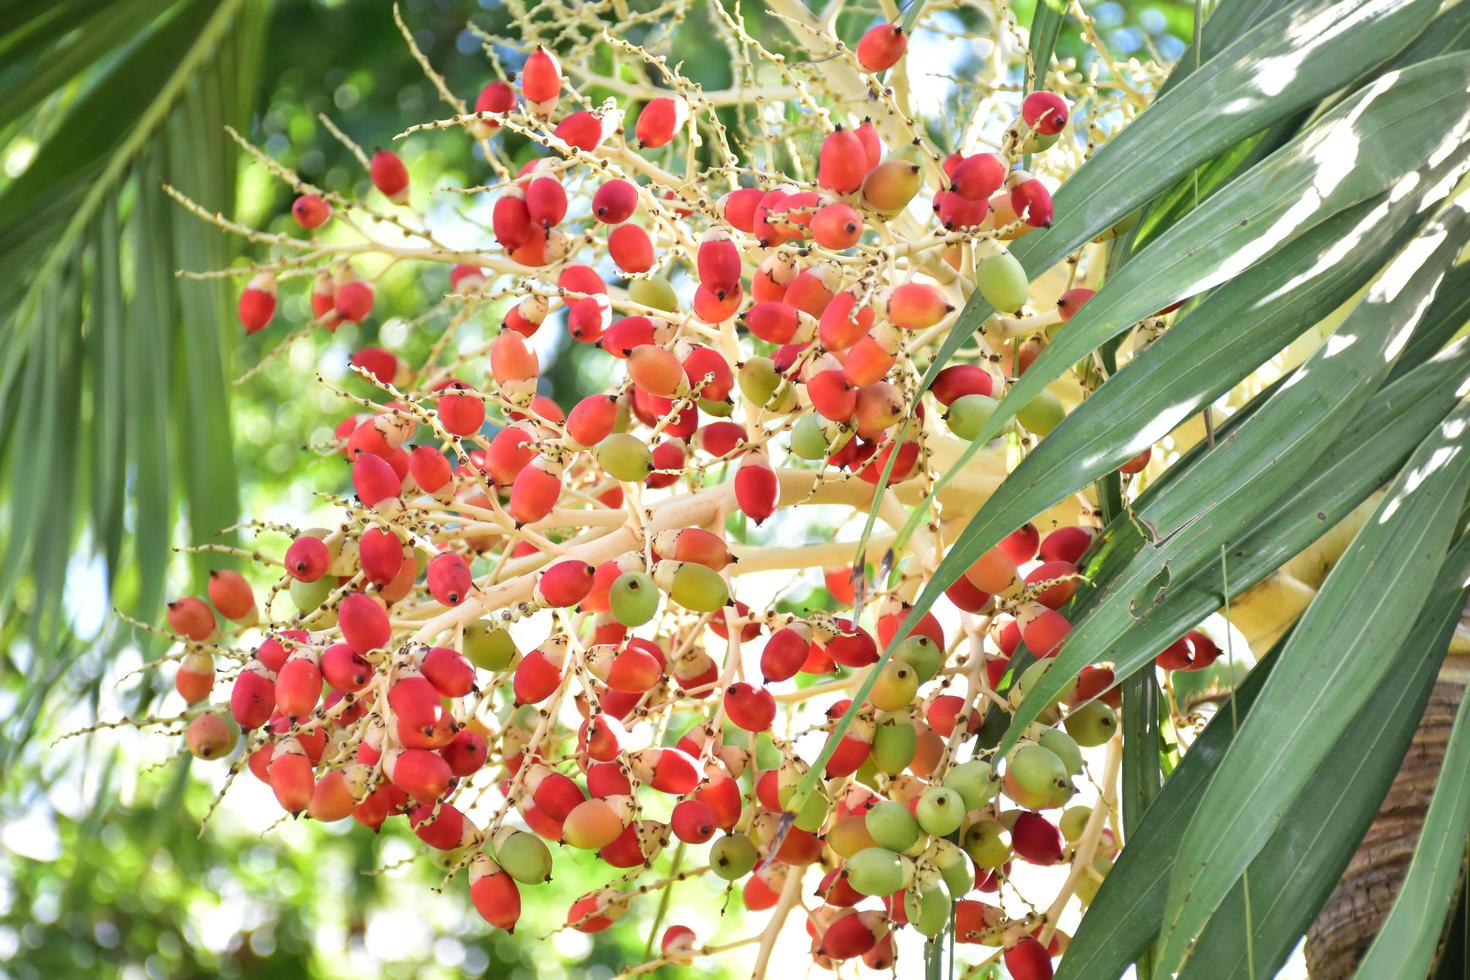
x=102 y=869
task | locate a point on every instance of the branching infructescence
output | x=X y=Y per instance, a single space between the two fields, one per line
x=769 y=278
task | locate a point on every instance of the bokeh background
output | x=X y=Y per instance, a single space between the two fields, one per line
x=121 y=434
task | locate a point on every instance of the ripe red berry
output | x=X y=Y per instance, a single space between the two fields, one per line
x=390 y=176
x=630 y=248
x=1046 y=112
x=614 y=202
x=661 y=120
x=541 y=81
x=842 y=162
x=231 y=595
x=751 y=708
x=257 y=302
x=881 y=47
x=310 y=211
x=364 y=622
x=757 y=489
x=461 y=414
x=449 y=579
x=190 y=617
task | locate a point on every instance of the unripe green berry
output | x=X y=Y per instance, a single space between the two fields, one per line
x=1092 y=724
x=921 y=653
x=489 y=647
x=1036 y=769
x=655 y=292
x=967 y=415
x=1073 y=821
x=625 y=457
x=892 y=826
x=894 y=745
x=927 y=907
x=732 y=856
x=808 y=440
x=972 y=780
x=940 y=811
x=988 y=844
x=1064 y=747
x=895 y=687
x=875 y=871
x=1042 y=414
x=1002 y=281
x=633 y=598
x=694 y=586
x=525 y=857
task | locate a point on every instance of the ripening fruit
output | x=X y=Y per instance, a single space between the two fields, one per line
x=390 y=176
x=916 y=306
x=310 y=211
x=625 y=457
x=837 y=226
x=633 y=598
x=921 y=653
x=1002 y=281
x=525 y=857
x=987 y=843
x=895 y=687
x=842 y=162
x=257 y=302
x=1071 y=301
x=892 y=826
x=889 y=187
x=733 y=856
x=875 y=871
x=1046 y=112
x=1091 y=724
x=940 y=811
x=209 y=736
x=661 y=120
x=592 y=824
x=190 y=617
x=880 y=48
x=1042 y=414
x=232 y=596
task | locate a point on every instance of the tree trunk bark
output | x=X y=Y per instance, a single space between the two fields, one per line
x=1354 y=912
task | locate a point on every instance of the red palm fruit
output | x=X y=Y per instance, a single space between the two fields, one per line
x=751 y=708
x=372 y=811
x=546 y=201
x=190 y=617
x=717 y=307
x=1030 y=199
x=466 y=752
x=772 y=277
x=1095 y=681
x=720 y=439
x=701 y=362
x=541 y=81
x=655 y=370
x=364 y=622
x=415 y=702
x=461 y=414
x=509 y=453
x=195 y=678
x=352 y=299
x=757 y=489
x=540 y=823
x=978 y=176
x=452 y=675
x=565 y=583
x=1021 y=544
x=871 y=358
x=344 y=669
x=841 y=325
x=847 y=644
x=535 y=490
x=608 y=779
x=966 y=595
x=449 y=579
x=1027 y=959
x=718 y=261
x=310 y=211
x=942 y=714
x=773 y=322
x=581 y=279
x=881 y=46
x=231 y=594
x=422 y=774
x=390 y=176
x=510 y=219
x=771 y=226
x=380 y=552
x=916 y=306
x=375 y=480
x=839 y=582
x=660 y=121
x=903 y=465
x=615 y=201
x=290 y=776
x=639 y=841
x=597 y=910
x=954 y=211
x=677 y=945
x=695 y=670
x=299 y=684
x=837 y=226
x=974 y=920
x=693 y=544
x=366 y=437
x=767 y=788
x=323 y=304
x=666 y=770
x=539 y=672
x=813 y=289
x=1073 y=300
x=1066 y=544
x=440 y=826
x=511 y=360
x=851 y=752
x=1137 y=463
x=872 y=142
x=993 y=571
x=721 y=793
x=332 y=798
x=762 y=890
x=635 y=669
x=959 y=380
x=1043 y=629
x=257 y=304
x=554 y=794
x=786 y=652
x=852 y=934
x=596 y=599
x=496 y=97
x=834 y=890
x=1058 y=572
x=1008 y=637
x=1045 y=112
x=693 y=822
x=429 y=470
x=669 y=458
x=273 y=653
x=602 y=737
x=624 y=335
x=739 y=208
x=494 y=894
x=1036 y=839
x=307 y=559
x=750 y=627
x=592 y=419
x=582 y=129
x=842 y=163
x=891 y=617
x=879 y=407
x=630 y=248
x=1192 y=651
x=795 y=212
x=377 y=362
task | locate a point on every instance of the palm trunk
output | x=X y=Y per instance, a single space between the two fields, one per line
x=1354 y=912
